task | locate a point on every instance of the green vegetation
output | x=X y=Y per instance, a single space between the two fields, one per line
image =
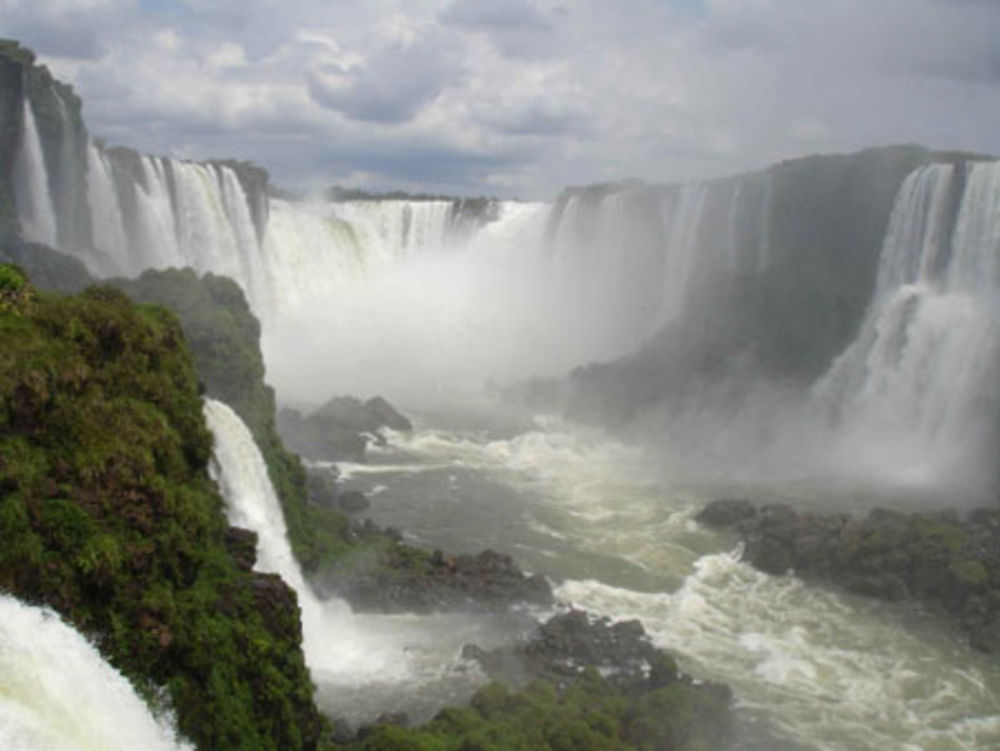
x=225 y=340
x=108 y=515
x=592 y=715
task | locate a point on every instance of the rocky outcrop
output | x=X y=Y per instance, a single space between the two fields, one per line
x=108 y=515
x=579 y=683
x=950 y=563
x=389 y=576
x=341 y=429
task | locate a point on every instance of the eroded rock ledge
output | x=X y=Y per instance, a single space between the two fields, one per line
x=947 y=561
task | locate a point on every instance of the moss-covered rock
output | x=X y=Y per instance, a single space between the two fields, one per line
x=938 y=558
x=224 y=337
x=593 y=687
x=108 y=515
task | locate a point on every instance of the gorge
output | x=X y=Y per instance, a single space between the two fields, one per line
x=583 y=377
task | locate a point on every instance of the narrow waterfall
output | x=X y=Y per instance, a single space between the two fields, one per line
x=58 y=694
x=31 y=186
x=923 y=375
x=332 y=640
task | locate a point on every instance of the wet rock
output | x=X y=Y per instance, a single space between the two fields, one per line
x=321 y=486
x=569 y=644
x=725 y=513
x=352 y=501
x=278 y=606
x=936 y=558
x=385 y=415
x=341 y=429
x=242 y=546
x=403 y=579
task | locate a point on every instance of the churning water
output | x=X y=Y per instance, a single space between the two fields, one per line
x=58 y=694
x=811 y=668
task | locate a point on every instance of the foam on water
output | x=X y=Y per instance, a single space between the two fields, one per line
x=361 y=663
x=819 y=670
x=58 y=694
x=829 y=672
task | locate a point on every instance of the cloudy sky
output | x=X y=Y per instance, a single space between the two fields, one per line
x=521 y=97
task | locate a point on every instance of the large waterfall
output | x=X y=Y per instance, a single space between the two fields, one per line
x=633 y=256
x=426 y=299
x=922 y=379
x=58 y=694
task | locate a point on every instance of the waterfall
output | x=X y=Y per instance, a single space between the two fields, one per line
x=396 y=228
x=923 y=375
x=58 y=694
x=107 y=219
x=32 y=192
x=333 y=641
x=683 y=214
x=637 y=253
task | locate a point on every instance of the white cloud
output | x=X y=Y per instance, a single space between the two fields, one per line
x=523 y=95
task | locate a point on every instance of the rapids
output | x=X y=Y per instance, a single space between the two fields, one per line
x=812 y=669
x=362 y=664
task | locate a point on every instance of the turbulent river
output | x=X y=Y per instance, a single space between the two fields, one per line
x=811 y=668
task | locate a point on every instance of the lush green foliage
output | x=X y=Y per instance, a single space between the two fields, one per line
x=108 y=515
x=225 y=339
x=590 y=716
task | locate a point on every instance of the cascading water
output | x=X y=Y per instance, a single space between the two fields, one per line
x=394 y=229
x=32 y=192
x=58 y=694
x=633 y=256
x=360 y=663
x=919 y=387
x=106 y=214
x=331 y=641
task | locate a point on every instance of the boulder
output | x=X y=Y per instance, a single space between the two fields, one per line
x=352 y=501
x=387 y=415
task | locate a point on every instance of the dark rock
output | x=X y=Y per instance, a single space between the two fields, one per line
x=725 y=513
x=352 y=501
x=278 y=605
x=242 y=546
x=387 y=415
x=341 y=429
x=341 y=733
x=569 y=644
x=935 y=558
x=321 y=486
x=403 y=579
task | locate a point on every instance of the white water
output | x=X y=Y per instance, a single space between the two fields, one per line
x=631 y=259
x=393 y=230
x=916 y=392
x=812 y=668
x=435 y=323
x=362 y=664
x=32 y=191
x=106 y=216
x=58 y=694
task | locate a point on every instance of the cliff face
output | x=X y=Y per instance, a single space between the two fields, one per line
x=225 y=340
x=13 y=60
x=63 y=136
x=779 y=272
x=108 y=515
